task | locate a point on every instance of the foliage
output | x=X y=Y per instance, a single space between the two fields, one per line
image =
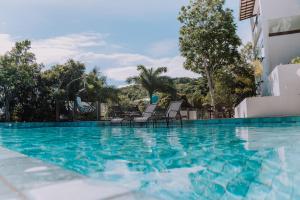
x=59 y=78
x=153 y=81
x=29 y=94
x=296 y=60
x=19 y=74
x=208 y=39
x=258 y=68
x=236 y=82
x=94 y=88
x=192 y=89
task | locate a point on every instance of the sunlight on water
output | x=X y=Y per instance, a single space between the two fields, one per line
x=196 y=162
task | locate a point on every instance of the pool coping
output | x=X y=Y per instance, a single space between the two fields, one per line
x=25 y=178
x=233 y=121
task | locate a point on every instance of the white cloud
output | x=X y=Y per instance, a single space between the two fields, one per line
x=116 y=66
x=59 y=49
x=174 y=64
x=117 y=58
x=121 y=73
x=163 y=48
x=6 y=43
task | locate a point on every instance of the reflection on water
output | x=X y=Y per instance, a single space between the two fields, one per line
x=197 y=162
x=281 y=171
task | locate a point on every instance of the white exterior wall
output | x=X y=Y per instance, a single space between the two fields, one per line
x=285 y=100
x=273 y=9
x=274 y=82
x=269 y=107
x=281 y=80
x=277 y=49
x=282 y=49
x=285 y=80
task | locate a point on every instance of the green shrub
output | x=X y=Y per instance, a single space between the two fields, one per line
x=296 y=60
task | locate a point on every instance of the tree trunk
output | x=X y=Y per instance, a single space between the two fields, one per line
x=7 y=111
x=74 y=110
x=211 y=88
x=56 y=110
x=98 y=110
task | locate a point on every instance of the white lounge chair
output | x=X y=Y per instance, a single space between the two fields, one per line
x=84 y=107
x=173 y=112
x=146 y=115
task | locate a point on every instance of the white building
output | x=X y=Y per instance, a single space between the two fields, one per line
x=275 y=26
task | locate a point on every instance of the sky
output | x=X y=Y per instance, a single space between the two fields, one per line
x=112 y=35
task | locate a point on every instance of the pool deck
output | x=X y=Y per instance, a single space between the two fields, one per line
x=24 y=178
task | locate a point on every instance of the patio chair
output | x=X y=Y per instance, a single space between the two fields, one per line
x=118 y=115
x=173 y=112
x=146 y=115
x=84 y=107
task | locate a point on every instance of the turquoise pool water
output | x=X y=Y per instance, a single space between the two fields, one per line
x=257 y=161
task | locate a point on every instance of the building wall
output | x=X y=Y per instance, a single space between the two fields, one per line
x=282 y=49
x=285 y=100
x=277 y=49
x=281 y=87
x=285 y=80
x=273 y=9
x=269 y=107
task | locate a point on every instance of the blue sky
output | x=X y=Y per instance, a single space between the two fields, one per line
x=113 y=35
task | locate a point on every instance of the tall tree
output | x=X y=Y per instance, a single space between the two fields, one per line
x=237 y=81
x=95 y=88
x=152 y=80
x=19 y=73
x=208 y=39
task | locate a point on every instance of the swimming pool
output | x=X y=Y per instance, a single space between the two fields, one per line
x=228 y=161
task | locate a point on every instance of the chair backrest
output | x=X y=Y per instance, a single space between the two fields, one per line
x=78 y=101
x=173 y=109
x=84 y=106
x=149 y=110
x=116 y=111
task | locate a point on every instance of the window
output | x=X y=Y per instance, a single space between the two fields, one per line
x=283 y=26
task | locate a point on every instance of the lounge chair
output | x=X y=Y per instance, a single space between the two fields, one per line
x=146 y=115
x=173 y=112
x=84 y=107
x=118 y=115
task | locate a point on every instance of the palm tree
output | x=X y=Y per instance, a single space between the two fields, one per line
x=153 y=81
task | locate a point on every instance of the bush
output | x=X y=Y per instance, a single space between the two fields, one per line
x=296 y=60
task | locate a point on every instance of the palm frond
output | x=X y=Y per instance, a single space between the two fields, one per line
x=160 y=70
x=133 y=79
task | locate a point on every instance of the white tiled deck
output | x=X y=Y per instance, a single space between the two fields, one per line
x=25 y=178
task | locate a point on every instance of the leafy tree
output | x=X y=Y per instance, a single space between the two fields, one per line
x=236 y=82
x=59 y=77
x=245 y=72
x=208 y=39
x=95 y=88
x=19 y=75
x=153 y=81
x=29 y=94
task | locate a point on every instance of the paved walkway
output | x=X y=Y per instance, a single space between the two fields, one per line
x=24 y=178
